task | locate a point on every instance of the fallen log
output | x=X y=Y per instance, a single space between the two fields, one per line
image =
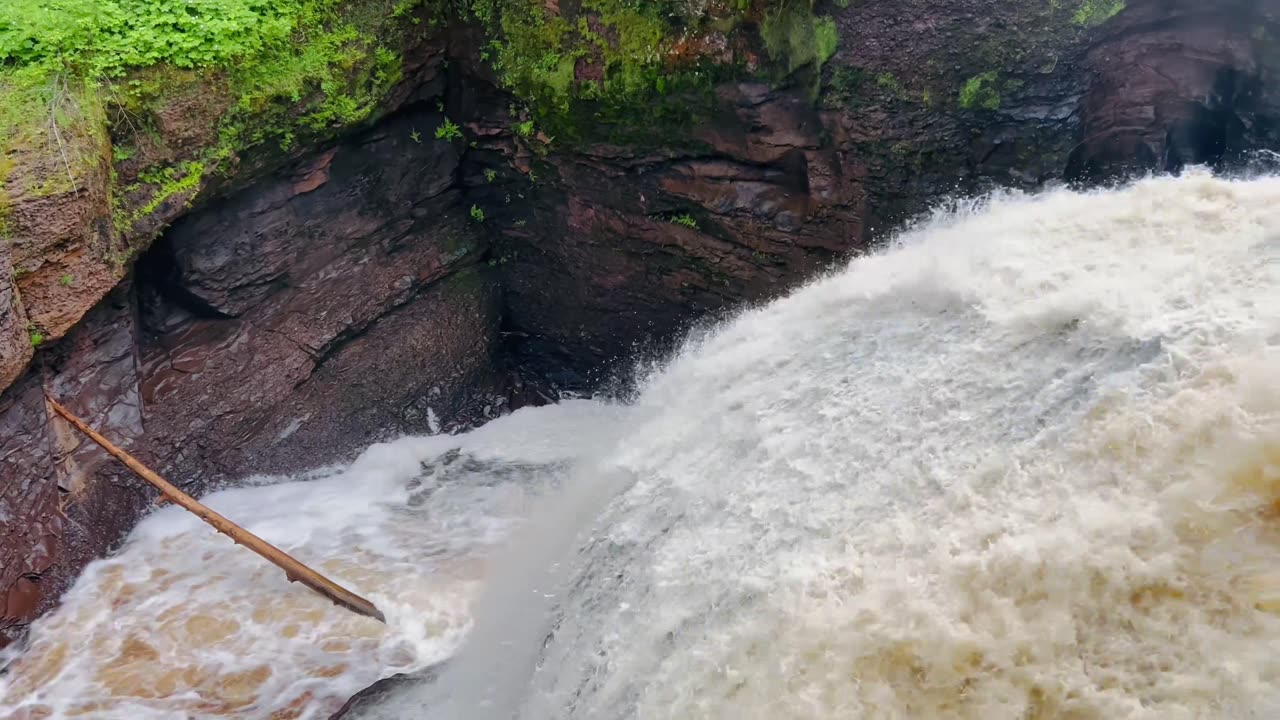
x=293 y=570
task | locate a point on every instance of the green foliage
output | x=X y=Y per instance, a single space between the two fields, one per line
x=37 y=338
x=448 y=131
x=686 y=220
x=290 y=67
x=477 y=214
x=66 y=280
x=619 y=70
x=55 y=113
x=792 y=35
x=490 y=175
x=1096 y=12
x=845 y=87
x=104 y=38
x=160 y=184
x=981 y=91
x=825 y=39
x=335 y=69
x=415 y=136
x=539 y=51
x=889 y=82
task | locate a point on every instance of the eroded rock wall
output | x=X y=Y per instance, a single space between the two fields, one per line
x=338 y=302
x=1179 y=83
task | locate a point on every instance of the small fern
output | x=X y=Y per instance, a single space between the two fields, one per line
x=448 y=131
x=686 y=220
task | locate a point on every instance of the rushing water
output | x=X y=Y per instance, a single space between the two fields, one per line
x=1023 y=464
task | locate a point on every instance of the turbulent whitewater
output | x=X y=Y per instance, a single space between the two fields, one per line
x=1023 y=463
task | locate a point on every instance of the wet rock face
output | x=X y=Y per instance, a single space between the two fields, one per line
x=782 y=184
x=71 y=499
x=624 y=248
x=371 y=697
x=1180 y=83
x=318 y=312
x=392 y=283
x=333 y=305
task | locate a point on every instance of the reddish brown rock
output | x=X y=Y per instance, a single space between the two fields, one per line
x=1177 y=83
x=74 y=500
x=57 y=225
x=337 y=303
x=15 y=342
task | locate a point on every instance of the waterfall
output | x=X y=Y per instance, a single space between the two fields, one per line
x=1024 y=462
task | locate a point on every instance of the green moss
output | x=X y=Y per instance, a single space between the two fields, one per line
x=846 y=87
x=826 y=39
x=981 y=92
x=53 y=115
x=888 y=82
x=793 y=36
x=1095 y=12
x=157 y=185
x=287 y=68
x=598 y=68
x=37 y=338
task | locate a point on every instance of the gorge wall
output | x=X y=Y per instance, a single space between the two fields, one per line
x=394 y=277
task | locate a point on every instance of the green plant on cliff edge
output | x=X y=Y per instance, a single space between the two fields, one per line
x=981 y=91
x=793 y=35
x=448 y=131
x=162 y=184
x=685 y=220
x=1096 y=12
x=289 y=66
x=631 y=70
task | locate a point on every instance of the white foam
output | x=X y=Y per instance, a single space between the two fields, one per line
x=1021 y=465
x=181 y=623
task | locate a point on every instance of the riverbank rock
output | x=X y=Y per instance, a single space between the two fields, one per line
x=373 y=695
